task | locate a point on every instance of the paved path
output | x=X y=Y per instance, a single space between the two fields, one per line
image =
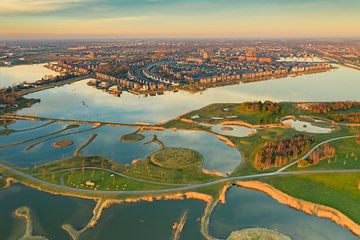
x=184 y=187
x=313 y=149
x=118 y=174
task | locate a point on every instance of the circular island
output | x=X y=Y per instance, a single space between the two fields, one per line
x=132 y=137
x=176 y=158
x=227 y=129
x=62 y=143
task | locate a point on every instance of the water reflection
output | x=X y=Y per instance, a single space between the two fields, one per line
x=67 y=101
x=23 y=73
x=46 y=214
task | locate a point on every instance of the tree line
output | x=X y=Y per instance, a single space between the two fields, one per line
x=281 y=152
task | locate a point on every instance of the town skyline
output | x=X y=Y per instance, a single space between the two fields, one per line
x=44 y=19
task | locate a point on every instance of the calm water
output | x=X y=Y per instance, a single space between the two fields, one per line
x=67 y=101
x=244 y=208
x=218 y=156
x=150 y=221
x=247 y=208
x=137 y=221
x=23 y=73
x=46 y=214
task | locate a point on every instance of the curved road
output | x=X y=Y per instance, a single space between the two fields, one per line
x=183 y=187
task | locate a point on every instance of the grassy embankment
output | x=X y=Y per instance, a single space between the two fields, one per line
x=338 y=190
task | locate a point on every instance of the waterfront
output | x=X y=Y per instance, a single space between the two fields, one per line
x=79 y=101
x=247 y=208
x=23 y=73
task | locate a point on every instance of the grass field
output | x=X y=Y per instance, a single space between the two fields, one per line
x=339 y=190
x=102 y=180
x=143 y=169
x=225 y=110
x=176 y=158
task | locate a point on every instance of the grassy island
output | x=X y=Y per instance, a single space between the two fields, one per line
x=176 y=158
x=132 y=137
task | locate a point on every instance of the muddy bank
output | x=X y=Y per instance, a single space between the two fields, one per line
x=305 y=206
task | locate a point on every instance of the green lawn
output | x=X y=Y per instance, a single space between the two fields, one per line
x=103 y=180
x=338 y=190
x=232 y=109
x=143 y=169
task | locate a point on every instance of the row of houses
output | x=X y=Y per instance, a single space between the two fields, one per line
x=131 y=84
x=262 y=74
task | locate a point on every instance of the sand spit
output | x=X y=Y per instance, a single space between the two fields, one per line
x=225 y=139
x=24 y=212
x=305 y=206
x=78 y=150
x=179 y=226
x=257 y=233
x=97 y=212
x=8 y=182
x=213 y=172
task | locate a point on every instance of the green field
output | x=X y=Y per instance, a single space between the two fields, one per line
x=337 y=190
x=102 y=180
x=143 y=169
x=225 y=110
x=176 y=158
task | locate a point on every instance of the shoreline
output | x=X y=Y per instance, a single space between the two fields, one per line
x=318 y=210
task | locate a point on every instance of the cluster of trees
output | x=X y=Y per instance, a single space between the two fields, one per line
x=323 y=152
x=266 y=107
x=353 y=117
x=327 y=107
x=278 y=153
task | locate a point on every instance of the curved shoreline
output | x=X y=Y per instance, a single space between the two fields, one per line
x=305 y=206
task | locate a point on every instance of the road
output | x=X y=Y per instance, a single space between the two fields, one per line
x=181 y=187
x=313 y=149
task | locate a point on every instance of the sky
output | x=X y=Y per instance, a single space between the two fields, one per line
x=179 y=18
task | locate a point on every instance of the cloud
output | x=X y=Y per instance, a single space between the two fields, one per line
x=35 y=6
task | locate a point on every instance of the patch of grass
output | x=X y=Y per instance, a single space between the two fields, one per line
x=336 y=190
x=176 y=158
x=143 y=169
x=184 y=125
x=132 y=137
x=225 y=110
x=102 y=180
